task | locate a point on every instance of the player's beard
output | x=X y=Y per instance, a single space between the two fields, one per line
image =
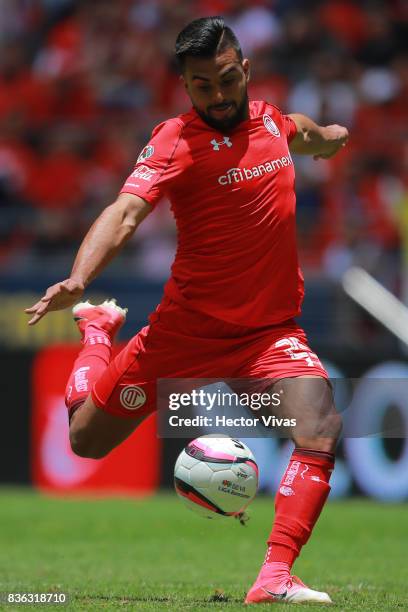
x=224 y=125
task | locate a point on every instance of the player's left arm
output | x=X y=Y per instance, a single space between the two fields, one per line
x=312 y=139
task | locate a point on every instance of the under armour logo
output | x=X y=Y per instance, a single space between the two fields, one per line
x=216 y=145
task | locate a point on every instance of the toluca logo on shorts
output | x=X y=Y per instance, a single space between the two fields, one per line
x=145 y=153
x=132 y=397
x=216 y=145
x=271 y=125
x=236 y=175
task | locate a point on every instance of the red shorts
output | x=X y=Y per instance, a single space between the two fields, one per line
x=181 y=343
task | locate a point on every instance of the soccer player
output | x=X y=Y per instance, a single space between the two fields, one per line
x=228 y=309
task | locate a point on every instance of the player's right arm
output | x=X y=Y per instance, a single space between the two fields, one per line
x=111 y=230
x=155 y=169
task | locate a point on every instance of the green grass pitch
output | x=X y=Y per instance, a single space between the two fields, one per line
x=153 y=554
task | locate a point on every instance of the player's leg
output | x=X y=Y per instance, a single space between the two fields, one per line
x=304 y=487
x=124 y=390
x=94 y=432
x=309 y=401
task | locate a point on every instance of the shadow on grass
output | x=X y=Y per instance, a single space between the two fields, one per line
x=216 y=598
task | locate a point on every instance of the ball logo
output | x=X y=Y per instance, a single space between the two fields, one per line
x=271 y=125
x=145 y=153
x=132 y=397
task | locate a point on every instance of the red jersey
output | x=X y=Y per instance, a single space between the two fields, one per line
x=234 y=203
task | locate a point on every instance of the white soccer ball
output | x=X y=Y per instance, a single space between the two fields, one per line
x=216 y=477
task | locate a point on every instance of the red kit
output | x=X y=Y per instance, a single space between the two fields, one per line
x=235 y=285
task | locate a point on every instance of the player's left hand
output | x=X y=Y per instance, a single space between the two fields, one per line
x=336 y=137
x=59 y=296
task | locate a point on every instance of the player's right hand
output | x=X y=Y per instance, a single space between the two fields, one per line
x=59 y=296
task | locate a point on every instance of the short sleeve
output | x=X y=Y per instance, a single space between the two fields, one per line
x=287 y=123
x=157 y=166
x=290 y=127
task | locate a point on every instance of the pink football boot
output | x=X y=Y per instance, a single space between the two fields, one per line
x=96 y=321
x=294 y=591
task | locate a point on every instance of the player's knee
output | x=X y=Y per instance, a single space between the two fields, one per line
x=325 y=437
x=329 y=426
x=84 y=445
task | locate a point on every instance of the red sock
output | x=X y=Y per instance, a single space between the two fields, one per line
x=91 y=362
x=299 y=501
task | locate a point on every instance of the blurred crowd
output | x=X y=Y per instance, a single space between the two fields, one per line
x=83 y=82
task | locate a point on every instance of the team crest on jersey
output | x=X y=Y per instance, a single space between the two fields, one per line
x=145 y=153
x=271 y=125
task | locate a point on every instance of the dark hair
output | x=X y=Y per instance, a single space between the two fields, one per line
x=205 y=37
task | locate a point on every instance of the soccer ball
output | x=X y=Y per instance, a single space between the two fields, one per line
x=216 y=477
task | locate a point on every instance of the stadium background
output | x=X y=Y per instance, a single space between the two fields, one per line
x=82 y=84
